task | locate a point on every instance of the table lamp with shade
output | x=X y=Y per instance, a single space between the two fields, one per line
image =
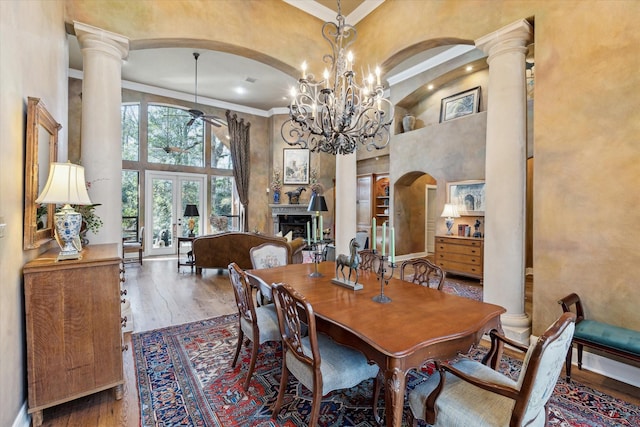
x=317 y=204
x=191 y=211
x=449 y=212
x=66 y=186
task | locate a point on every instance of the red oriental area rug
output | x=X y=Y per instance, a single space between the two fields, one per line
x=185 y=378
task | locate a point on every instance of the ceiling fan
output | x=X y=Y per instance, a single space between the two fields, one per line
x=198 y=114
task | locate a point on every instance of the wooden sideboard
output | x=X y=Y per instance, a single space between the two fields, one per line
x=460 y=255
x=73 y=327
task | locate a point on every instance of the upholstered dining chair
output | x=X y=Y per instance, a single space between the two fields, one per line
x=368 y=261
x=423 y=272
x=258 y=324
x=318 y=362
x=129 y=246
x=266 y=255
x=468 y=392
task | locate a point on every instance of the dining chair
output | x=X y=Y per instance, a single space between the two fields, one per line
x=318 y=362
x=258 y=324
x=469 y=392
x=368 y=260
x=422 y=272
x=266 y=255
x=129 y=246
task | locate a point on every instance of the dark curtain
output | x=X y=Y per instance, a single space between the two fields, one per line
x=240 y=157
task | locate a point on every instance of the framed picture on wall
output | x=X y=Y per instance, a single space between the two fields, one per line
x=460 y=104
x=296 y=166
x=468 y=196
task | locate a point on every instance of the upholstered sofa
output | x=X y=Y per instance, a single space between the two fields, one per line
x=220 y=250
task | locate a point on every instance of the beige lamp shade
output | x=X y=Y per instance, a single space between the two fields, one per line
x=65 y=185
x=450 y=211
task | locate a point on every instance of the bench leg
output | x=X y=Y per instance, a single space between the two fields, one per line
x=580 y=356
x=567 y=364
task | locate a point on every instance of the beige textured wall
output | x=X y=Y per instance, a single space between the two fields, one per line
x=586 y=124
x=33 y=62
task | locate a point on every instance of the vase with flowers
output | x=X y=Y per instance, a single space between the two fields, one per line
x=314 y=181
x=276 y=185
x=90 y=221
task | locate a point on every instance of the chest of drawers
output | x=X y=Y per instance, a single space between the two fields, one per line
x=73 y=327
x=460 y=255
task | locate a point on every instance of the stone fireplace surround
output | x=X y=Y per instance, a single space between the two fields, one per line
x=290 y=218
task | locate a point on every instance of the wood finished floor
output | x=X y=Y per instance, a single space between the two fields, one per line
x=161 y=296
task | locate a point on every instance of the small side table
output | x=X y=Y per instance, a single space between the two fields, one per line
x=190 y=262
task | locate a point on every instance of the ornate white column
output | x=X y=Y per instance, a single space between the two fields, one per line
x=102 y=55
x=346 y=190
x=505 y=176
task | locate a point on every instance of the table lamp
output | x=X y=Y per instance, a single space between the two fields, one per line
x=66 y=186
x=449 y=212
x=318 y=204
x=191 y=211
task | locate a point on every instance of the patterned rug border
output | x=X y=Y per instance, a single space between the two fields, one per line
x=176 y=353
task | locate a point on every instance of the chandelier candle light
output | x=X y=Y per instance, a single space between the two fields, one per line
x=66 y=186
x=384 y=260
x=337 y=114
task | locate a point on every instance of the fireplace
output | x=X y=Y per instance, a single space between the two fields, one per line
x=297 y=224
x=290 y=218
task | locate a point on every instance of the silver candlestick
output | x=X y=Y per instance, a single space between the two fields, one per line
x=384 y=279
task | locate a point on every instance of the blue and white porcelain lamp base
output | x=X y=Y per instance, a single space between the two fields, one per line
x=68 y=223
x=449 y=224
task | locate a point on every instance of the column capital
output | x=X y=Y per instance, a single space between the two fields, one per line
x=91 y=37
x=515 y=36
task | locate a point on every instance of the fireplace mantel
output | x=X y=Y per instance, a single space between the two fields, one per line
x=282 y=209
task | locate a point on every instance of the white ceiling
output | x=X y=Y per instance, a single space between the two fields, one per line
x=224 y=80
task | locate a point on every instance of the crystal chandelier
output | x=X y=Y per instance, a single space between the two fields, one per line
x=336 y=114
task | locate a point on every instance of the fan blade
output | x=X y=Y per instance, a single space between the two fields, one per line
x=212 y=123
x=216 y=121
x=190 y=122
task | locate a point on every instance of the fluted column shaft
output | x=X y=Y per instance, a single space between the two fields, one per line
x=102 y=55
x=505 y=175
x=346 y=189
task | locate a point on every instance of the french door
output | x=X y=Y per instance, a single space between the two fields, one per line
x=166 y=196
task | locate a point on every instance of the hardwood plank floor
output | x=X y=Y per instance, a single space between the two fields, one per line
x=161 y=296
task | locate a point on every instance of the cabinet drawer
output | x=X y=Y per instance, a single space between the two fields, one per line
x=459 y=267
x=454 y=241
x=462 y=258
x=458 y=249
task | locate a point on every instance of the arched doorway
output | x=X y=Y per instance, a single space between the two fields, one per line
x=415 y=213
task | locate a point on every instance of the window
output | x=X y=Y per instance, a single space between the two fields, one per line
x=130 y=204
x=220 y=154
x=224 y=204
x=173 y=137
x=130 y=131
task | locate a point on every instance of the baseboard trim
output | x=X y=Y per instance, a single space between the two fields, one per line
x=610 y=368
x=22 y=419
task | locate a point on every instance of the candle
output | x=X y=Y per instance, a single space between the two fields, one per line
x=378 y=74
x=384 y=232
x=267 y=191
x=304 y=70
x=308 y=232
x=392 y=244
x=326 y=78
x=350 y=61
x=315 y=230
x=373 y=234
x=321 y=229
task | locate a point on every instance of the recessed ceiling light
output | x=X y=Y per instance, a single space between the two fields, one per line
x=469 y=68
x=430 y=87
x=240 y=90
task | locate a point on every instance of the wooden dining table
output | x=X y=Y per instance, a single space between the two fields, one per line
x=418 y=325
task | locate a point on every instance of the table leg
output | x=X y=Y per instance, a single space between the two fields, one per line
x=394 y=386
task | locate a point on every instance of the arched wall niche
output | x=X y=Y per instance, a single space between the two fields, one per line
x=411 y=212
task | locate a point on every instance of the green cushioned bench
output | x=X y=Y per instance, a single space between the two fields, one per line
x=599 y=335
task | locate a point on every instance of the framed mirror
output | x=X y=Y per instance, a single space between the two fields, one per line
x=41 y=150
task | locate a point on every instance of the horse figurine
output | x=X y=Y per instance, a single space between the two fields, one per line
x=351 y=261
x=294 y=196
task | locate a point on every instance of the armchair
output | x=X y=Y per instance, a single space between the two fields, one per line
x=470 y=393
